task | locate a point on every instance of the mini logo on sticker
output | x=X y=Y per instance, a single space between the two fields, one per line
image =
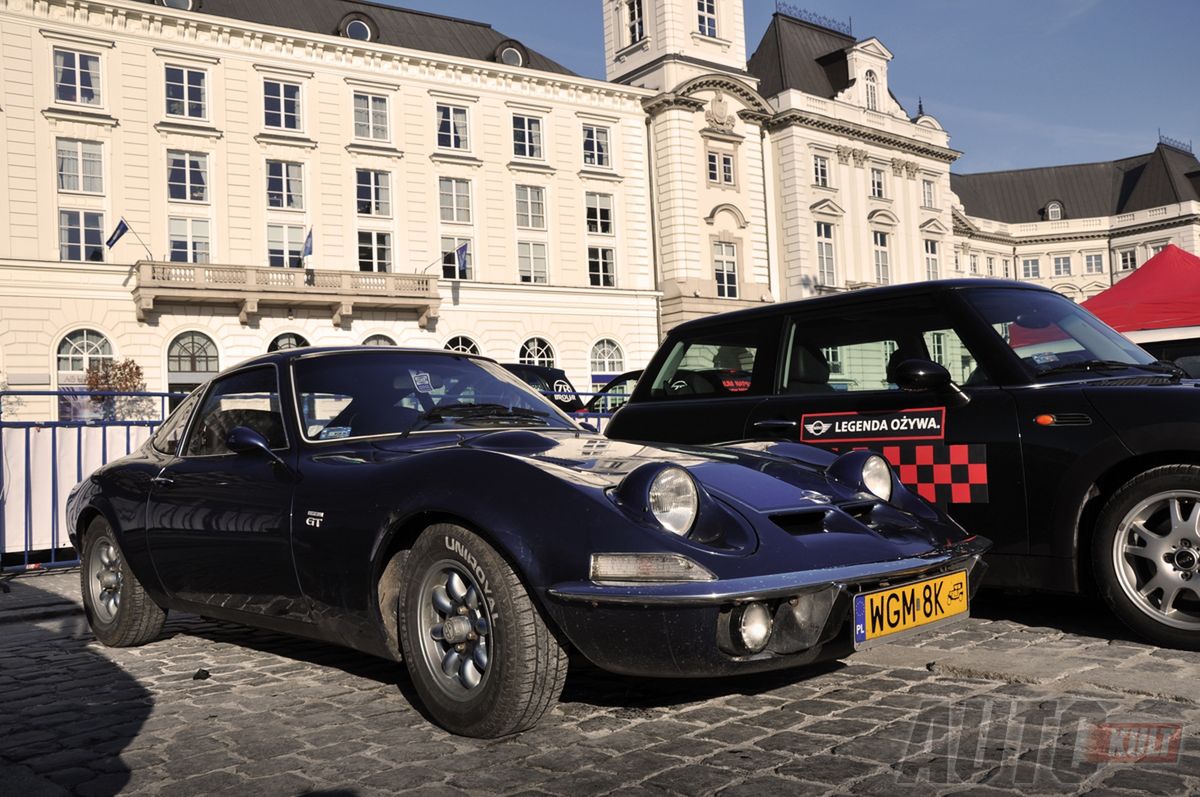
x=817 y=428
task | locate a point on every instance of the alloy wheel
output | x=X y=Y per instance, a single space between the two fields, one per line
x=104 y=567
x=1156 y=556
x=455 y=627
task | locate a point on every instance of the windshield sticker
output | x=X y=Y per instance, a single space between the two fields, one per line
x=563 y=392
x=1044 y=358
x=422 y=382
x=334 y=433
x=927 y=423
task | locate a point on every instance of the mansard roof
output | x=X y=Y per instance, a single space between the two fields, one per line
x=1165 y=176
x=795 y=54
x=399 y=27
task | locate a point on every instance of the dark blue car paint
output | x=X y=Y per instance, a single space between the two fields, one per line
x=308 y=560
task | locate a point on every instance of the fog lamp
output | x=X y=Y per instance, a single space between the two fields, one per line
x=647 y=567
x=754 y=626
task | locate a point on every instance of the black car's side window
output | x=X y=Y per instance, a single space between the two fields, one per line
x=712 y=365
x=170 y=434
x=249 y=398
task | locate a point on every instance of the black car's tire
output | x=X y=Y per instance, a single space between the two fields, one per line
x=118 y=609
x=453 y=573
x=1146 y=555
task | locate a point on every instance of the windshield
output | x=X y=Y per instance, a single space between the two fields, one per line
x=371 y=393
x=1052 y=334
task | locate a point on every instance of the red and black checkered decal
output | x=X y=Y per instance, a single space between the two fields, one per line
x=941 y=474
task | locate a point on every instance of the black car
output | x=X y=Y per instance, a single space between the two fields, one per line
x=550 y=382
x=614 y=394
x=1025 y=416
x=430 y=507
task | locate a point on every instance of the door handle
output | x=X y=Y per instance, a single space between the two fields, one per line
x=162 y=480
x=775 y=426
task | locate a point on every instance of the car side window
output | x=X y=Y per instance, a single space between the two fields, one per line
x=170 y=434
x=248 y=398
x=711 y=365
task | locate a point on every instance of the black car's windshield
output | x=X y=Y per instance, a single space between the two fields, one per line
x=1053 y=335
x=369 y=393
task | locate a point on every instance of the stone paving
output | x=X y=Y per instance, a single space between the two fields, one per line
x=1011 y=702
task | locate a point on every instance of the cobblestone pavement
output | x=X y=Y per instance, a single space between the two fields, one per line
x=1010 y=702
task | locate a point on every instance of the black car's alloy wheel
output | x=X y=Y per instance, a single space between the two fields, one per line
x=118 y=609
x=1146 y=555
x=480 y=655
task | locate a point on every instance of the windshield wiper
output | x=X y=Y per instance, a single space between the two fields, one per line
x=481 y=412
x=1110 y=365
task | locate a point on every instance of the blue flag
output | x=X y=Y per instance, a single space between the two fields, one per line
x=122 y=228
x=307 y=245
x=461 y=255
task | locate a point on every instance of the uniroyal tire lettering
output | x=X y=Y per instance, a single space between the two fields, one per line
x=460 y=550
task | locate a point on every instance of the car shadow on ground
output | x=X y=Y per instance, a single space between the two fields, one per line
x=1079 y=615
x=52 y=676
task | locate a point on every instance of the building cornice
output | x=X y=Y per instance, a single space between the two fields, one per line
x=857 y=132
x=964 y=229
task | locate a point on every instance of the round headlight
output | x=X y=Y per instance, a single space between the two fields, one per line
x=877 y=477
x=674 y=500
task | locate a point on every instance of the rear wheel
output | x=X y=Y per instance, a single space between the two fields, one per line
x=482 y=659
x=118 y=609
x=1146 y=555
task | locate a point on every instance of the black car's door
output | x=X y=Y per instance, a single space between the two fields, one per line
x=836 y=389
x=219 y=523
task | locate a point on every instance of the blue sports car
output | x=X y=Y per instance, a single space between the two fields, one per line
x=430 y=507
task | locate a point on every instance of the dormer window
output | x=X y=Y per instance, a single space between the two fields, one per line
x=1054 y=211
x=357 y=27
x=181 y=5
x=511 y=52
x=872 y=91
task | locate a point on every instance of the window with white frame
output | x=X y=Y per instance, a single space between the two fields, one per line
x=531 y=207
x=1007 y=268
x=826 y=267
x=833 y=356
x=720 y=168
x=187 y=176
x=821 y=171
x=285 y=245
x=462 y=345
x=80 y=166
x=81 y=236
x=186 y=92
x=1054 y=211
x=1129 y=260
x=378 y=340
x=991 y=266
x=454 y=199
x=706 y=17
x=602 y=269
x=374 y=251
x=453 y=128
x=527 y=137
x=973 y=263
x=872 y=91
x=281 y=105
x=928 y=198
x=76 y=77
x=531 y=262
x=635 y=20
x=1031 y=268
x=932 y=266
x=596 y=145
x=1062 y=266
x=599 y=211
x=79 y=351
x=883 y=257
x=188 y=240
x=1156 y=248
x=457 y=260
x=374 y=192
x=371 y=117
x=1093 y=264
x=937 y=347
x=607 y=357
x=725 y=269
x=536 y=351
x=877 y=185
x=285 y=185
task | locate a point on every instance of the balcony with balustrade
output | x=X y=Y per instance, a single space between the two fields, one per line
x=250 y=288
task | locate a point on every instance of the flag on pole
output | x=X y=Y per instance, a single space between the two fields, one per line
x=460 y=255
x=122 y=228
x=308 y=249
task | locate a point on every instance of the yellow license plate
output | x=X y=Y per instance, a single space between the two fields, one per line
x=899 y=609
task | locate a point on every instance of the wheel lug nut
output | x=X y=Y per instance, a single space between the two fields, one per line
x=1186 y=576
x=461 y=647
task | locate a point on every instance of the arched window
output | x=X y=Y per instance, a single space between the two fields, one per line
x=288 y=340
x=182 y=5
x=607 y=357
x=462 y=344
x=191 y=360
x=1054 y=211
x=872 y=92
x=79 y=351
x=537 y=351
x=379 y=340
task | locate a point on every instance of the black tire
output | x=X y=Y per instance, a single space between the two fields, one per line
x=1122 y=576
x=118 y=609
x=524 y=664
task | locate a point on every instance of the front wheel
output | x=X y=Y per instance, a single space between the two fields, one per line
x=481 y=658
x=1146 y=555
x=118 y=609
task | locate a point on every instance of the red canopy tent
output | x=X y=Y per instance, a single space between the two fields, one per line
x=1164 y=293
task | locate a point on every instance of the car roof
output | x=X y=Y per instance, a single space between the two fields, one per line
x=287 y=355
x=867 y=294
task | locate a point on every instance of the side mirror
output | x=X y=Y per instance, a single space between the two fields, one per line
x=588 y=427
x=921 y=375
x=243 y=440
